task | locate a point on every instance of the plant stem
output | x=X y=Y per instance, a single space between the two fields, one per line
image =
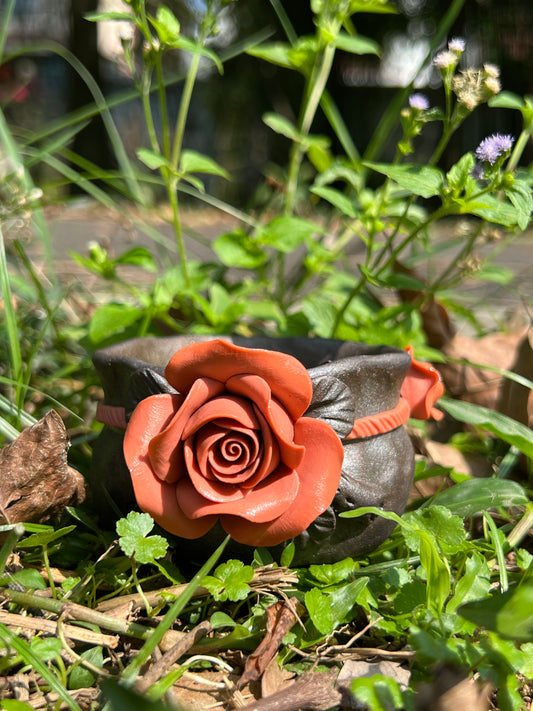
x=315 y=88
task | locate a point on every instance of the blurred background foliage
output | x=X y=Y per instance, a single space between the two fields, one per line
x=37 y=85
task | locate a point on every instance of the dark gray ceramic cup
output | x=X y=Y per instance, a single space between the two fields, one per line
x=350 y=381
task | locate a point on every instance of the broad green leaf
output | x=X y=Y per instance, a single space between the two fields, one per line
x=418 y=179
x=111 y=319
x=286 y=233
x=507 y=100
x=46 y=648
x=520 y=195
x=151 y=159
x=44 y=538
x=237 y=249
x=510 y=614
x=138 y=257
x=282 y=125
x=459 y=173
x=355 y=44
x=220 y=619
x=492 y=209
x=30 y=578
x=274 y=52
x=318 y=606
x=82 y=678
x=377 y=693
x=438 y=522
x=474 y=584
x=16 y=705
x=344 y=598
x=496 y=273
x=330 y=574
x=287 y=555
x=504 y=427
x=475 y=496
x=339 y=200
x=193 y=162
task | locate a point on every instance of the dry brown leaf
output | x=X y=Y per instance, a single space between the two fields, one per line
x=36 y=482
x=274 y=679
x=314 y=691
x=451 y=691
x=280 y=617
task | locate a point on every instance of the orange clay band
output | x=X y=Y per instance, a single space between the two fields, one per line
x=362 y=428
x=381 y=422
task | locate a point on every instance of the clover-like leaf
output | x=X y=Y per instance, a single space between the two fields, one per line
x=229 y=581
x=134 y=540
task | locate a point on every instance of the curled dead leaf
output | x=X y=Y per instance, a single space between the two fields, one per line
x=36 y=482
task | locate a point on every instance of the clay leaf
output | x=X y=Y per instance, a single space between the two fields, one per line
x=332 y=403
x=36 y=483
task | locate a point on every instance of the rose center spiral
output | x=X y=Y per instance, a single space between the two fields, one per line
x=227 y=454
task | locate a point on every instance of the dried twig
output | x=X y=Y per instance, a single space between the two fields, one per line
x=266 y=577
x=181 y=647
x=78 y=634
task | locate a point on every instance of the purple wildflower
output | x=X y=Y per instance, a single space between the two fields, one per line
x=491 y=148
x=418 y=101
x=477 y=172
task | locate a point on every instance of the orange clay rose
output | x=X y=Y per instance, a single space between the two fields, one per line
x=232 y=445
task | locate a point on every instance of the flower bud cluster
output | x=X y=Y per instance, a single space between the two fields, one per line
x=475 y=86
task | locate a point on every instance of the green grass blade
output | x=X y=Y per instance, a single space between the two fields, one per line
x=5 y=20
x=102 y=108
x=10 y=316
x=132 y=671
x=23 y=648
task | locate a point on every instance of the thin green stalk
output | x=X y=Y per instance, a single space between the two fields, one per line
x=163 y=107
x=145 y=91
x=520 y=145
x=315 y=87
x=284 y=21
x=5 y=24
x=437 y=283
x=11 y=325
x=183 y=112
x=15 y=532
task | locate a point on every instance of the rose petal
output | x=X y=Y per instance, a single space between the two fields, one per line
x=165 y=449
x=255 y=388
x=287 y=377
x=267 y=501
x=227 y=407
x=159 y=500
x=269 y=459
x=422 y=388
x=319 y=476
x=150 y=417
